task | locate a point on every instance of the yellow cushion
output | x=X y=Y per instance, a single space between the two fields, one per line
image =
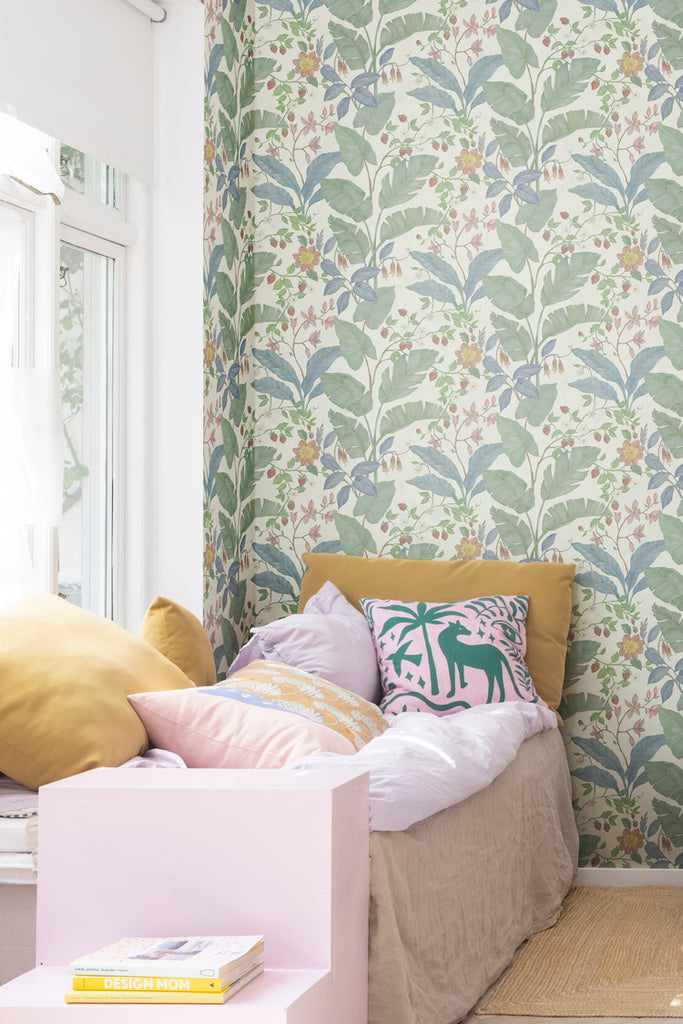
x=547 y=584
x=64 y=677
x=179 y=635
x=292 y=689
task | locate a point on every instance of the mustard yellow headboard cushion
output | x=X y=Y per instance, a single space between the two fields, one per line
x=547 y=584
x=179 y=635
x=64 y=677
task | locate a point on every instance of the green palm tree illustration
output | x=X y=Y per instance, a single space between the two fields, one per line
x=419 y=617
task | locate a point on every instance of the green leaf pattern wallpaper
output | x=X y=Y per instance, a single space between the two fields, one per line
x=443 y=319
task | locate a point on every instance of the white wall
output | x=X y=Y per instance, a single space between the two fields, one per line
x=175 y=376
x=80 y=70
x=98 y=75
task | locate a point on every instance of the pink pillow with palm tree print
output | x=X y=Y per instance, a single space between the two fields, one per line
x=442 y=658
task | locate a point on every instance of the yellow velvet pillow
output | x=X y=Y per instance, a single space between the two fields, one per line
x=179 y=635
x=547 y=585
x=64 y=677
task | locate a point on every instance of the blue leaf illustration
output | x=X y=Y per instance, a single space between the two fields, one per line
x=277 y=170
x=482 y=264
x=320 y=361
x=437 y=267
x=482 y=458
x=438 y=461
x=318 y=169
x=593 y=580
x=434 y=290
x=479 y=73
x=274 y=388
x=277 y=365
x=277 y=559
x=273 y=194
x=597 y=751
x=643 y=751
x=271 y=581
x=599 y=364
x=643 y=557
x=438 y=73
x=436 y=97
x=598 y=388
x=596 y=776
x=435 y=485
x=363 y=468
x=643 y=169
x=365 y=485
x=599 y=169
x=596 y=194
x=601 y=559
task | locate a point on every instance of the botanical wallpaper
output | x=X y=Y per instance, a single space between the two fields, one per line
x=443 y=319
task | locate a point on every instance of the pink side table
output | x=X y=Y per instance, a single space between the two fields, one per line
x=205 y=852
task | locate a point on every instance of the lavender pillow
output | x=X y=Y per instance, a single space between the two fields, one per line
x=330 y=638
x=441 y=658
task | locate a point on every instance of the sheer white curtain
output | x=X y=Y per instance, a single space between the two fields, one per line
x=31 y=446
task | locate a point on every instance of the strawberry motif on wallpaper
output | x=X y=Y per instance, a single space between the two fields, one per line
x=443 y=319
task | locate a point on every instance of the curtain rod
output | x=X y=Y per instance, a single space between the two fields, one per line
x=151 y=8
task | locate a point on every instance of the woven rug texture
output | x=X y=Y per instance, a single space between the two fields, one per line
x=614 y=952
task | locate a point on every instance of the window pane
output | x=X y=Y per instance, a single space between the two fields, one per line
x=86 y=331
x=89 y=177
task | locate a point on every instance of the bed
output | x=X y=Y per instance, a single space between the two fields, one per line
x=473 y=845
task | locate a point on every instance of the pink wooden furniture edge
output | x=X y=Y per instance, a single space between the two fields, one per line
x=206 y=851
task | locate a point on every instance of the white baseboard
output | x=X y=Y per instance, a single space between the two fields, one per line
x=629 y=876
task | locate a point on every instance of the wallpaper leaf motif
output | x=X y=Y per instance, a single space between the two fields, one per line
x=444 y=319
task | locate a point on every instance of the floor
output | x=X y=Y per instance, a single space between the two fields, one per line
x=472 y=1019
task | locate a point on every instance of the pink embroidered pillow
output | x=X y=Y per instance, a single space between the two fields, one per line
x=441 y=658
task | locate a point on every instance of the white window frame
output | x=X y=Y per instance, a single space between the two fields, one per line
x=39 y=336
x=106 y=230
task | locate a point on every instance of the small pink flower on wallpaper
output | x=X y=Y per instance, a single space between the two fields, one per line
x=468 y=355
x=306 y=452
x=306 y=258
x=468 y=161
x=630 y=258
x=631 y=63
x=630 y=840
x=468 y=548
x=630 y=646
x=630 y=452
x=306 y=63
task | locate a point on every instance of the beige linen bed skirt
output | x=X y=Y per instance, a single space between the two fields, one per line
x=453 y=896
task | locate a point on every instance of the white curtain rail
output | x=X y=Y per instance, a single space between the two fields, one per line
x=154 y=11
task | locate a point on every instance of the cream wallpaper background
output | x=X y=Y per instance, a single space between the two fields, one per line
x=444 y=273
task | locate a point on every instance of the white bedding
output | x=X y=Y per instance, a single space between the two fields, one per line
x=424 y=763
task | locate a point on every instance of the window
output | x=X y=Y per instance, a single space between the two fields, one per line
x=70 y=257
x=90 y=278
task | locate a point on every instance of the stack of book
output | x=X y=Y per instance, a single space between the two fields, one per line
x=185 y=969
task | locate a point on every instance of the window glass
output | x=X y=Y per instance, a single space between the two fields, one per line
x=90 y=177
x=86 y=336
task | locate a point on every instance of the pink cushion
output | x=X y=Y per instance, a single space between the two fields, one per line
x=331 y=639
x=441 y=658
x=214 y=731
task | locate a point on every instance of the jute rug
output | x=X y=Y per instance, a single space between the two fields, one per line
x=614 y=952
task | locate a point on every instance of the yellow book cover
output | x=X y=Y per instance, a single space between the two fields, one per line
x=128 y=983
x=151 y=996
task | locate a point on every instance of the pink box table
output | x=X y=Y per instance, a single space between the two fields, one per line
x=200 y=852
